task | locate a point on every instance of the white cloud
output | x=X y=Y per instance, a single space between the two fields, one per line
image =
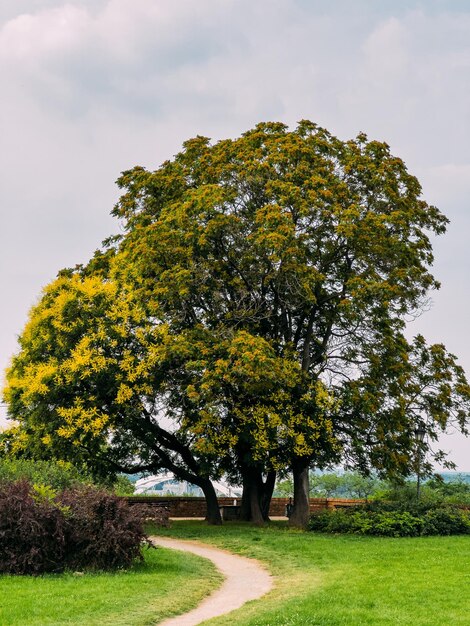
x=386 y=51
x=66 y=56
x=30 y=39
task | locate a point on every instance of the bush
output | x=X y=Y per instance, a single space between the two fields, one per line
x=446 y=521
x=80 y=528
x=157 y=515
x=103 y=532
x=56 y=474
x=32 y=531
x=395 y=524
x=59 y=475
x=385 y=519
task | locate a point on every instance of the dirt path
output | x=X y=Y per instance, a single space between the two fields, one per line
x=245 y=579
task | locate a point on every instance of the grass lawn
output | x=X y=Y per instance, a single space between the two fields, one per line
x=141 y=596
x=337 y=580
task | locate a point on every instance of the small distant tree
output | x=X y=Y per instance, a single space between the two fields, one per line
x=456 y=490
x=361 y=487
x=328 y=485
x=345 y=485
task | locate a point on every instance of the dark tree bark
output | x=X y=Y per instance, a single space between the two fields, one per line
x=301 y=511
x=256 y=496
x=213 y=511
x=267 y=494
x=245 y=511
x=255 y=504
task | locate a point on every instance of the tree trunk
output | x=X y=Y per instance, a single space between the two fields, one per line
x=245 y=511
x=301 y=511
x=213 y=512
x=255 y=497
x=253 y=491
x=267 y=494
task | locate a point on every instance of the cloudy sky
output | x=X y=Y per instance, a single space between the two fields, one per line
x=93 y=87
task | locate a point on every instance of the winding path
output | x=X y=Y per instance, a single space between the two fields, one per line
x=245 y=579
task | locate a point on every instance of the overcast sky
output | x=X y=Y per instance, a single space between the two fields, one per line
x=93 y=87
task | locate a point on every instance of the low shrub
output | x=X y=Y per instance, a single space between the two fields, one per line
x=60 y=475
x=80 y=528
x=157 y=515
x=395 y=524
x=387 y=520
x=102 y=531
x=446 y=521
x=32 y=531
x=55 y=474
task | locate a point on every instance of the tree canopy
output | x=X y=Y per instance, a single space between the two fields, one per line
x=257 y=301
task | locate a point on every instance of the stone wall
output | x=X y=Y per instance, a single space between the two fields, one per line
x=196 y=507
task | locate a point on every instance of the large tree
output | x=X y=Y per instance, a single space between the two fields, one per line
x=318 y=246
x=274 y=274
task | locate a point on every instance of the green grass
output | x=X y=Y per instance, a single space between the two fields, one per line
x=320 y=580
x=338 y=580
x=141 y=596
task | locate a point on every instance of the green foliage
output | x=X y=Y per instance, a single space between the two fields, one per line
x=393 y=520
x=256 y=300
x=284 y=489
x=57 y=475
x=395 y=524
x=335 y=485
x=314 y=250
x=328 y=485
x=446 y=521
x=122 y=486
x=456 y=490
x=345 y=485
x=432 y=492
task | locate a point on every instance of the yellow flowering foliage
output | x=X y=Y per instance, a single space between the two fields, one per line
x=301 y=254
x=239 y=390
x=80 y=419
x=75 y=350
x=256 y=297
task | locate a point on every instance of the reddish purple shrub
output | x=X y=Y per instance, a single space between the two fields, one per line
x=32 y=531
x=81 y=528
x=157 y=515
x=102 y=531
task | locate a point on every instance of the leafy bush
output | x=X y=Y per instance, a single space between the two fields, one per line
x=80 y=528
x=59 y=475
x=155 y=515
x=32 y=531
x=103 y=532
x=387 y=519
x=395 y=524
x=55 y=474
x=122 y=486
x=446 y=521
